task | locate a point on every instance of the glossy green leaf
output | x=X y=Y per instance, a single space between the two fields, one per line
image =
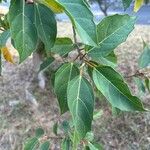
x=46 y=25
x=31 y=144
x=45 y=146
x=112 y=86
x=82 y=18
x=46 y=63
x=62 y=46
x=64 y=74
x=144 y=60
x=39 y=132
x=23 y=31
x=112 y=31
x=126 y=3
x=81 y=104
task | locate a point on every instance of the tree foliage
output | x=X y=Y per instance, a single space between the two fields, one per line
x=75 y=80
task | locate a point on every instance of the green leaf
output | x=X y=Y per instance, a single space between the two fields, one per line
x=46 y=63
x=46 y=25
x=112 y=86
x=3 y=38
x=23 y=31
x=126 y=3
x=112 y=31
x=144 y=60
x=64 y=74
x=109 y=60
x=63 y=46
x=39 y=132
x=45 y=146
x=81 y=104
x=66 y=144
x=31 y=144
x=82 y=18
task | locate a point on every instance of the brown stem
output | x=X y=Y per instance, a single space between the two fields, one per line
x=51 y=137
x=83 y=55
x=104 y=10
x=75 y=39
x=137 y=74
x=55 y=137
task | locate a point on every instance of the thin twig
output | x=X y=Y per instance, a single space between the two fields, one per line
x=75 y=39
x=137 y=74
x=51 y=137
x=83 y=55
x=55 y=137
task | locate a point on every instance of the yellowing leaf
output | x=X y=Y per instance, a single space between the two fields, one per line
x=57 y=8
x=138 y=4
x=7 y=55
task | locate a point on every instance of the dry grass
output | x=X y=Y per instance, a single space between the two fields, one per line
x=129 y=131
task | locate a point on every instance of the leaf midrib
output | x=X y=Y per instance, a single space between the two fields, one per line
x=111 y=35
x=41 y=23
x=117 y=88
x=76 y=18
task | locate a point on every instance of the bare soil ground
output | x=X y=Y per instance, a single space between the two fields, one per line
x=19 y=118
